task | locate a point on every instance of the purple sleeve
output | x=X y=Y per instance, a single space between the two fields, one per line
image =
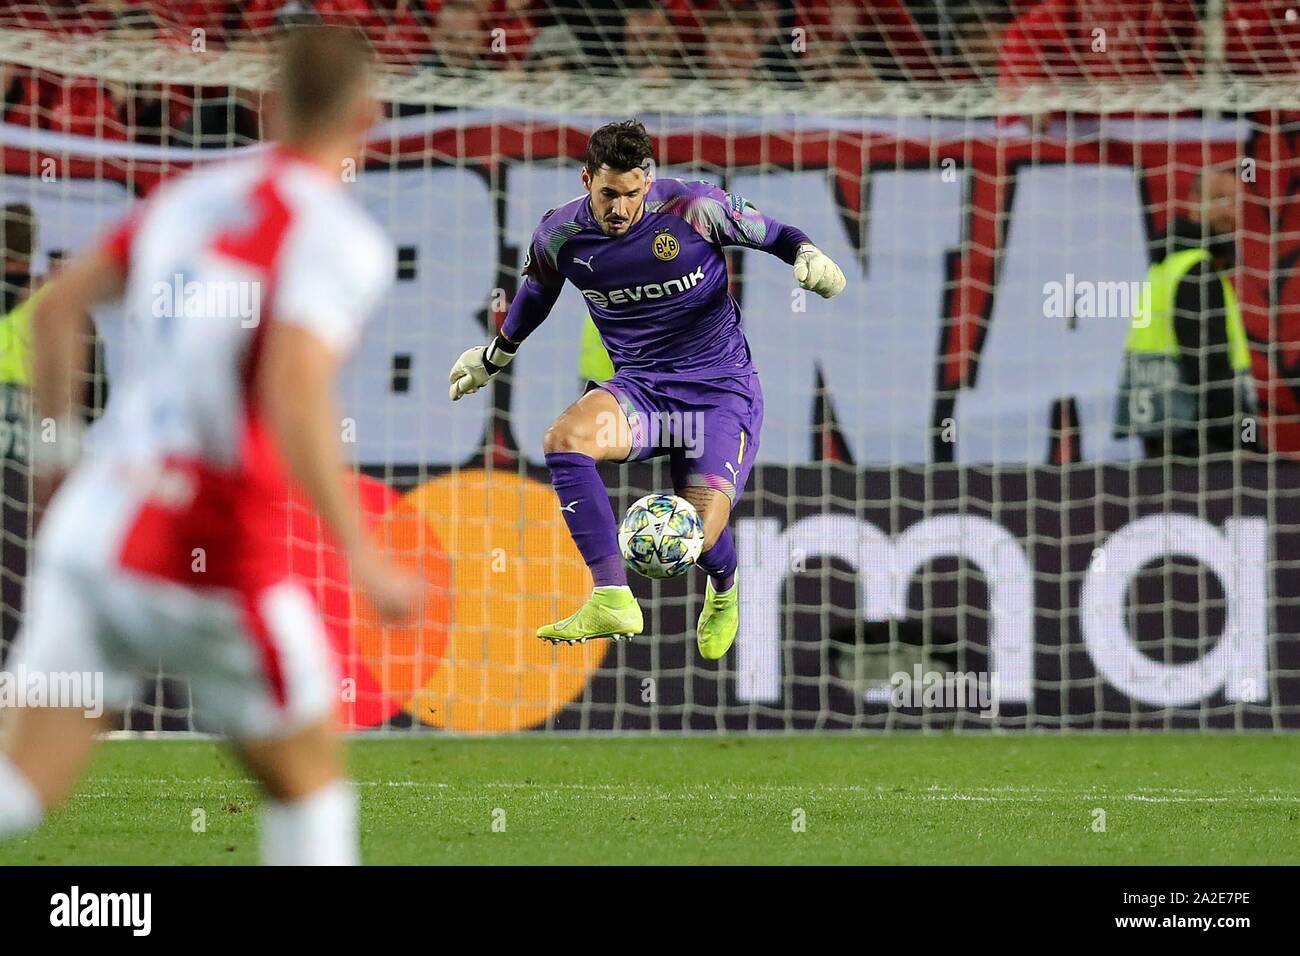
x=530 y=307
x=727 y=219
x=537 y=293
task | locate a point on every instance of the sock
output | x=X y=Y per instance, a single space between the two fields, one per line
x=589 y=515
x=20 y=805
x=319 y=829
x=720 y=562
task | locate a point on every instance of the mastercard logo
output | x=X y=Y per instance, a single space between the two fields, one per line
x=498 y=562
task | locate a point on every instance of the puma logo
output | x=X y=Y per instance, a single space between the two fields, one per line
x=587 y=262
x=735 y=475
x=569 y=506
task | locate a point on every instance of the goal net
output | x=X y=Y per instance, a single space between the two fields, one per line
x=1008 y=479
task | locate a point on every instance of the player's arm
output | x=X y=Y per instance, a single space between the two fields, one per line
x=295 y=394
x=58 y=350
x=731 y=220
x=327 y=290
x=533 y=302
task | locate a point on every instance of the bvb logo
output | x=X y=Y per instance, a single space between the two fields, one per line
x=665 y=246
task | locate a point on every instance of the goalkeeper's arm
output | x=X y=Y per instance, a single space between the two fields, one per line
x=817 y=272
x=813 y=269
x=479 y=365
x=734 y=221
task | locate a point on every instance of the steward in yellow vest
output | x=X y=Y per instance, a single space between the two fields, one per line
x=17 y=245
x=594 y=363
x=15 y=406
x=1186 y=381
x=17 y=239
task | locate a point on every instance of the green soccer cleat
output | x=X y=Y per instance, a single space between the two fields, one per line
x=610 y=612
x=718 y=622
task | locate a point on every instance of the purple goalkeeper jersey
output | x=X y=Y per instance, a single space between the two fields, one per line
x=658 y=294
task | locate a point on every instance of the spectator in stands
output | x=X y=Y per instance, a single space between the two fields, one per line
x=1262 y=37
x=556 y=49
x=217 y=19
x=1098 y=41
x=222 y=118
x=401 y=34
x=977 y=33
x=837 y=37
x=733 y=46
x=84 y=107
x=862 y=42
x=517 y=24
x=21 y=98
x=1187 y=384
x=263 y=17
x=147 y=112
x=458 y=42
x=650 y=47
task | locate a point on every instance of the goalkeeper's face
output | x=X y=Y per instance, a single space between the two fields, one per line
x=617 y=198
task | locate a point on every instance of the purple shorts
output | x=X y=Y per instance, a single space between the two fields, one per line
x=709 y=429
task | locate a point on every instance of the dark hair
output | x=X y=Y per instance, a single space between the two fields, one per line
x=620 y=146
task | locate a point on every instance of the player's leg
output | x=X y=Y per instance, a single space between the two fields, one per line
x=269 y=681
x=711 y=475
x=594 y=428
x=309 y=815
x=44 y=749
x=719 y=555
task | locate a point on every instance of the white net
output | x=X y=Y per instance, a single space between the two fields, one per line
x=944 y=526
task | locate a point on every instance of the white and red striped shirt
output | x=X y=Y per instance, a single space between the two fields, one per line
x=184 y=480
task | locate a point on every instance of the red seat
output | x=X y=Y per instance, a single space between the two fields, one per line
x=1262 y=37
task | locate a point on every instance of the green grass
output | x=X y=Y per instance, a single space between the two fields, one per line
x=913 y=800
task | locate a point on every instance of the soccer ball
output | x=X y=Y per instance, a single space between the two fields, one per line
x=661 y=536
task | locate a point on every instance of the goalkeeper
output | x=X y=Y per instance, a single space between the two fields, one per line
x=647 y=255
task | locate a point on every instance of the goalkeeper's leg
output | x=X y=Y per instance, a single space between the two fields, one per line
x=712 y=476
x=720 y=617
x=594 y=428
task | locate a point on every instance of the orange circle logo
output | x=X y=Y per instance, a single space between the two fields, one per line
x=402 y=657
x=513 y=568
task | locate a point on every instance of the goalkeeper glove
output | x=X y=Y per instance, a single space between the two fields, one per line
x=815 y=271
x=477 y=366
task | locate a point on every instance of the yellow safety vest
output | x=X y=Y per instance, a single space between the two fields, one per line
x=15 y=333
x=1153 y=398
x=15 y=378
x=594 y=363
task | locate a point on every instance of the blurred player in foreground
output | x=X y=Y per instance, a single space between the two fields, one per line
x=647 y=255
x=244 y=287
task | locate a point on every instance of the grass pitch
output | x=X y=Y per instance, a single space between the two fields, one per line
x=803 y=800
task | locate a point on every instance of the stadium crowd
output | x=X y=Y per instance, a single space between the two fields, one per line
x=720 y=41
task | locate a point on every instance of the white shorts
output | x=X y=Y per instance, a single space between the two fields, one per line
x=258 y=668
